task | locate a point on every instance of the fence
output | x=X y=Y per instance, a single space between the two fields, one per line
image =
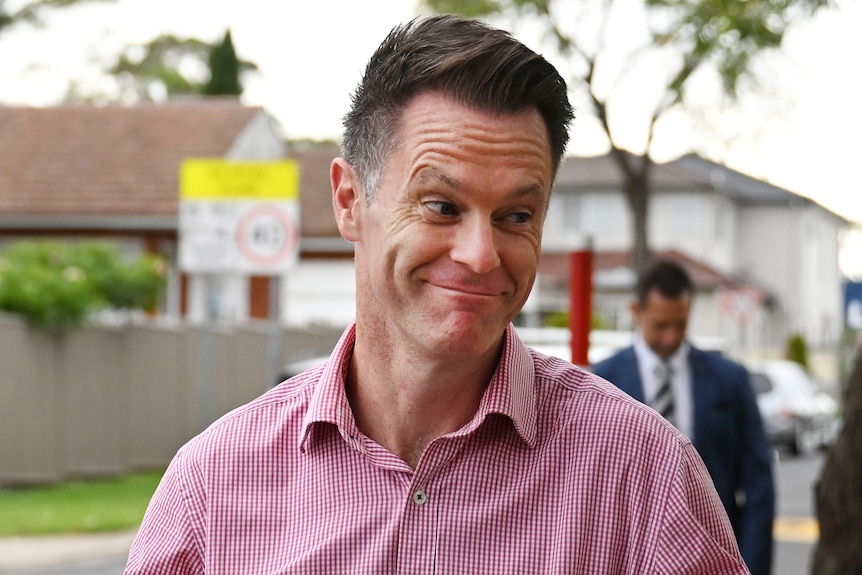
x=101 y=401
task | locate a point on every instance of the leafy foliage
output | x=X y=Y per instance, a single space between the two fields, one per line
x=797 y=350
x=33 y=12
x=57 y=286
x=181 y=66
x=161 y=61
x=727 y=32
x=561 y=319
x=166 y=65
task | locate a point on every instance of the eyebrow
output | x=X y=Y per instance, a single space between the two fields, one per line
x=431 y=174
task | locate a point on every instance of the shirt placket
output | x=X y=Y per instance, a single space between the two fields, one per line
x=418 y=534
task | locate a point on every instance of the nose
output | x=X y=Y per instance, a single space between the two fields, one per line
x=474 y=245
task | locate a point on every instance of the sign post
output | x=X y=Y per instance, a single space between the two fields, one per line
x=238 y=217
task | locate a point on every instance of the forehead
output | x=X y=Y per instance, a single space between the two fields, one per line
x=433 y=105
x=434 y=128
x=659 y=305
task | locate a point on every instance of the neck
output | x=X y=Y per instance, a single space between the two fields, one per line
x=404 y=401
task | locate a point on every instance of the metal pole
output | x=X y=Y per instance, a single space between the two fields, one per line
x=207 y=382
x=274 y=350
x=580 y=302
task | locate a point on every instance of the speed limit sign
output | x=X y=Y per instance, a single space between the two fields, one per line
x=266 y=236
x=238 y=216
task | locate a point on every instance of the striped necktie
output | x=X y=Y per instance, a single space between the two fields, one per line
x=663 y=400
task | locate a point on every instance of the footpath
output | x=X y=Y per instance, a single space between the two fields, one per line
x=19 y=553
x=23 y=553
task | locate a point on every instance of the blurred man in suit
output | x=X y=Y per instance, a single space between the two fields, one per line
x=707 y=397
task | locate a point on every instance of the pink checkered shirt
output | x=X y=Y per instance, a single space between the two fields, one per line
x=558 y=472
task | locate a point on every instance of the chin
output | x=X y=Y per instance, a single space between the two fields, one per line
x=475 y=341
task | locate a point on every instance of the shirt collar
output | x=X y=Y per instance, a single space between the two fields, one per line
x=511 y=392
x=328 y=403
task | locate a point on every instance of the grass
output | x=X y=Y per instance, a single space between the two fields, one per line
x=86 y=506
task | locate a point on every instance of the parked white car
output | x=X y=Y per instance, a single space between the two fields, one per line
x=796 y=412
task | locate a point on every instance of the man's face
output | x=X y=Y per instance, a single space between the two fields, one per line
x=663 y=321
x=447 y=250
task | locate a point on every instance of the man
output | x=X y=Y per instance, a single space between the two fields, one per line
x=433 y=440
x=710 y=400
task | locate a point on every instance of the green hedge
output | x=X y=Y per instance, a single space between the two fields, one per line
x=57 y=285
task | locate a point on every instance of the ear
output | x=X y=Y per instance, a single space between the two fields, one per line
x=635 y=308
x=346 y=198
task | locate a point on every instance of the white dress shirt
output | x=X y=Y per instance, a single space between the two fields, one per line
x=650 y=366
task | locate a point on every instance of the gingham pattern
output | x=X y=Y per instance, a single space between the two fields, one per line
x=559 y=472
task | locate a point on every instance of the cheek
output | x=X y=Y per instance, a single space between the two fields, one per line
x=410 y=248
x=521 y=257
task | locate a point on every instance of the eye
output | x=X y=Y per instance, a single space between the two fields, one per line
x=441 y=208
x=519 y=217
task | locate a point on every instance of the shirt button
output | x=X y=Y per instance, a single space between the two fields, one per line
x=419 y=497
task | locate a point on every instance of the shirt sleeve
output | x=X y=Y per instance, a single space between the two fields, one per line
x=696 y=536
x=170 y=540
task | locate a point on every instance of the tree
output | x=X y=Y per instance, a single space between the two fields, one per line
x=679 y=41
x=838 y=493
x=32 y=13
x=169 y=65
x=58 y=286
x=225 y=69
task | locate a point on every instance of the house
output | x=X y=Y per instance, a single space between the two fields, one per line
x=86 y=172
x=765 y=260
x=320 y=289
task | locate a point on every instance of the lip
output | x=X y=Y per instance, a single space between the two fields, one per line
x=467 y=290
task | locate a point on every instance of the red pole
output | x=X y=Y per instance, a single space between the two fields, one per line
x=580 y=302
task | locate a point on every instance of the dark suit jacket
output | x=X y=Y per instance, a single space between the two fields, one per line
x=729 y=436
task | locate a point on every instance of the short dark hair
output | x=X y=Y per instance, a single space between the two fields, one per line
x=668 y=277
x=481 y=66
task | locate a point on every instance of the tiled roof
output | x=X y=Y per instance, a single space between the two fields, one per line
x=115 y=160
x=316 y=192
x=739 y=186
x=580 y=172
x=614 y=270
x=689 y=172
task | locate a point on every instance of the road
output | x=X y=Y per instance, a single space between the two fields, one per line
x=795 y=528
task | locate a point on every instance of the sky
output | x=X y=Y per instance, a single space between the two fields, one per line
x=803 y=135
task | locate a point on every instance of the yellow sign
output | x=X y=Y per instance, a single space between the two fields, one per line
x=220 y=179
